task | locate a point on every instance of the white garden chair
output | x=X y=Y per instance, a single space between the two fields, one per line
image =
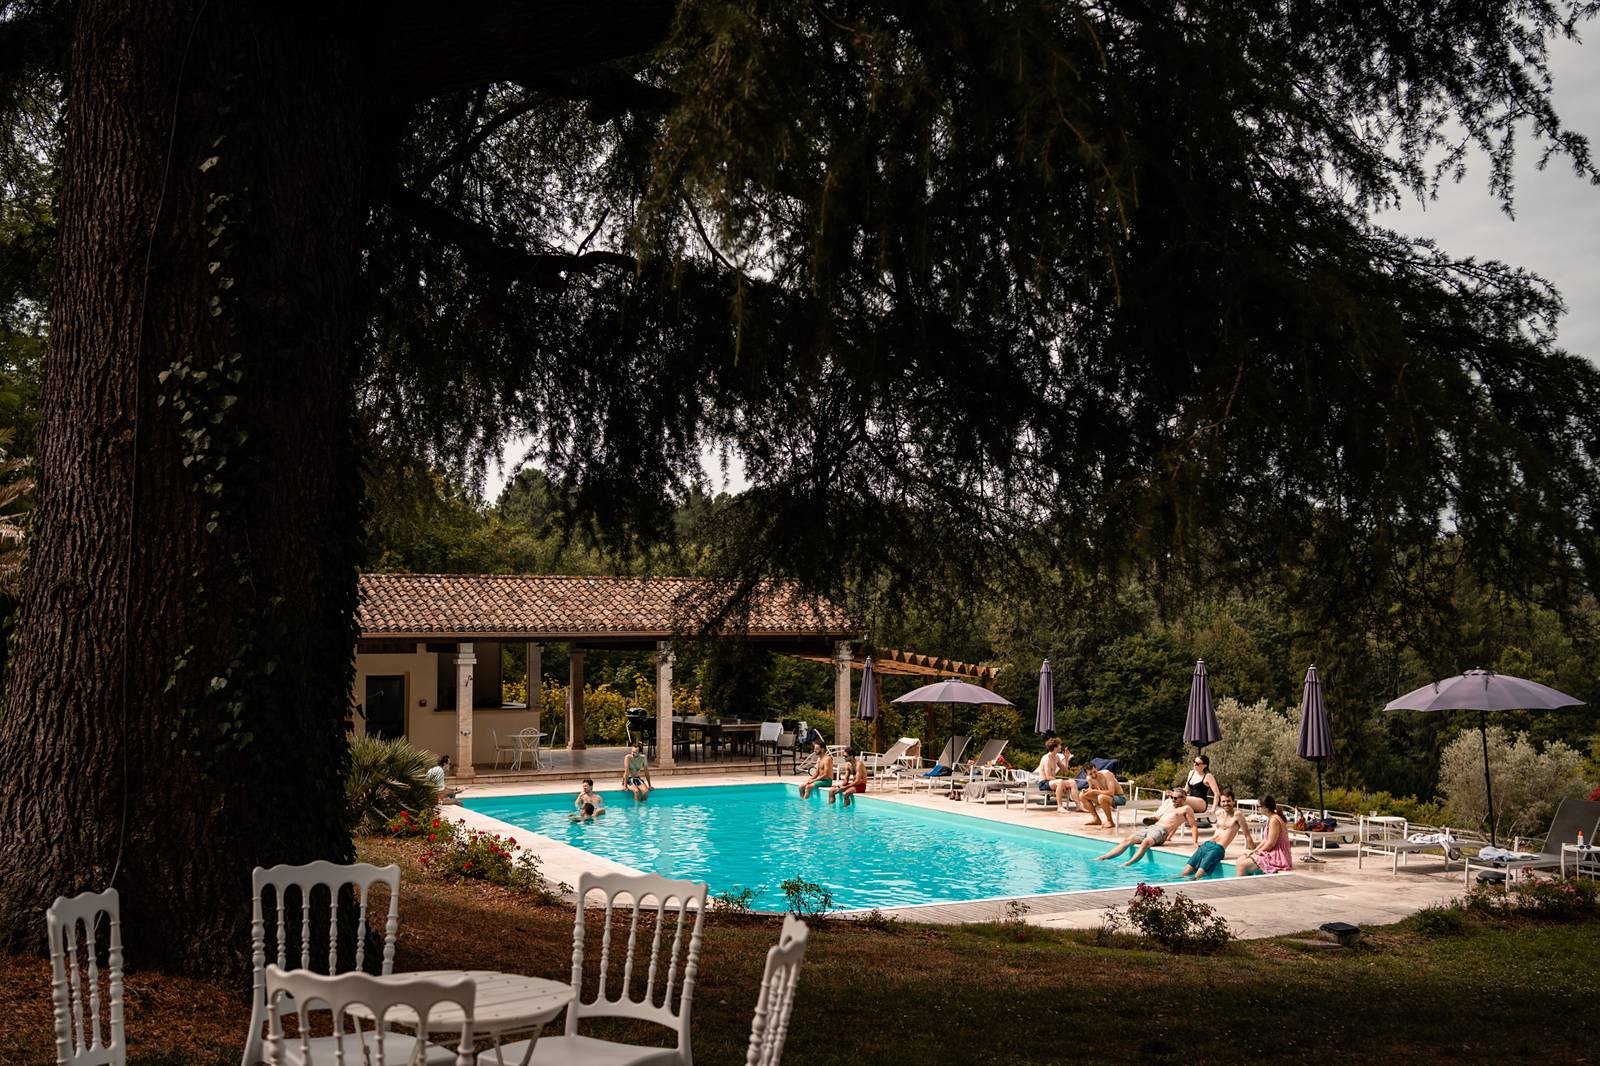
x=770 y=1027
x=663 y=908
x=358 y=1000
x=81 y=1040
x=308 y=887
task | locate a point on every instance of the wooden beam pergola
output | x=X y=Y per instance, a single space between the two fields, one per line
x=895 y=661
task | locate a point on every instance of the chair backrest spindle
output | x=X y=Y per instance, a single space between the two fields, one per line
x=769 y=1029
x=83 y=1037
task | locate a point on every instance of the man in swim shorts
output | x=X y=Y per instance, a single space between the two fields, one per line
x=1101 y=792
x=1171 y=815
x=821 y=774
x=1231 y=821
x=854 y=779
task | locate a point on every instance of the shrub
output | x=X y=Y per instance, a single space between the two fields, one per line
x=1177 y=924
x=1527 y=782
x=1440 y=920
x=876 y=919
x=733 y=902
x=1015 y=919
x=807 y=899
x=1424 y=812
x=386 y=777
x=458 y=854
x=1555 y=900
x=1256 y=754
x=407 y=825
x=1164 y=774
x=995 y=723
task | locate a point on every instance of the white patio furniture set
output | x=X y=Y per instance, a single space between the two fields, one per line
x=388 y=1018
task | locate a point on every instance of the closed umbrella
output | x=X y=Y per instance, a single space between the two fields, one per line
x=1316 y=738
x=1483 y=691
x=1045 y=720
x=867 y=703
x=1200 y=726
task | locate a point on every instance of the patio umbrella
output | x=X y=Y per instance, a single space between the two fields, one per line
x=1045 y=720
x=867 y=702
x=1483 y=691
x=953 y=691
x=1316 y=739
x=1200 y=726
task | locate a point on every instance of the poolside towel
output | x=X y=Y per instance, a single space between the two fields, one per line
x=1505 y=855
x=938 y=771
x=1432 y=838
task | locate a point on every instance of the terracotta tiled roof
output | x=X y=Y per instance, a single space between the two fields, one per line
x=543 y=605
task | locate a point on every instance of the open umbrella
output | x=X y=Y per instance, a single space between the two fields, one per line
x=1483 y=691
x=867 y=702
x=1045 y=720
x=953 y=691
x=1316 y=739
x=1200 y=726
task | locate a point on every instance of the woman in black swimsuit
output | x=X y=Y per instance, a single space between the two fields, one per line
x=1202 y=786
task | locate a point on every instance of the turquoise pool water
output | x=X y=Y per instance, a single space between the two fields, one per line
x=874 y=854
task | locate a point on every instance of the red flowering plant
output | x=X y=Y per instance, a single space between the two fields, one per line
x=411 y=826
x=457 y=853
x=1178 y=924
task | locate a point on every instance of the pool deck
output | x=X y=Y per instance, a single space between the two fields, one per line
x=1328 y=891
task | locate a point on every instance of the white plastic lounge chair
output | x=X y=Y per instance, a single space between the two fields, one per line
x=667 y=941
x=81 y=1039
x=893 y=762
x=1572 y=817
x=1398 y=842
x=981 y=771
x=942 y=770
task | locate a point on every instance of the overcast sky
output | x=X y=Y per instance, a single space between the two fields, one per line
x=1556 y=231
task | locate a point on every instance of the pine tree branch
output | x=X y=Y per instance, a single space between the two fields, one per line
x=549 y=270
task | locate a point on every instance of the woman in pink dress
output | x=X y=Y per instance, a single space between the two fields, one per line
x=1271 y=856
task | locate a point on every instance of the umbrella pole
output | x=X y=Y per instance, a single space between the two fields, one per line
x=1320 y=803
x=1488 y=782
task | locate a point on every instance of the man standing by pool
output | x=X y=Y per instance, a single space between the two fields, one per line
x=1230 y=823
x=821 y=774
x=854 y=778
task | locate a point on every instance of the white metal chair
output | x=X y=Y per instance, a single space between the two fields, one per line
x=354 y=998
x=502 y=748
x=302 y=884
x=770 y=1026
x=673 y=906
x=81 y=1040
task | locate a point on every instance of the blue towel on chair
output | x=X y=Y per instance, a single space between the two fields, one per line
x=938 y=771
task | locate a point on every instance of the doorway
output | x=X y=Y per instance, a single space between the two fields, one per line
x=386 y=706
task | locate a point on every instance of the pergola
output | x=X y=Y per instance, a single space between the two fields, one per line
x=612 y=614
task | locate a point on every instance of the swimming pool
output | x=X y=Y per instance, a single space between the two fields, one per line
x=873 y=854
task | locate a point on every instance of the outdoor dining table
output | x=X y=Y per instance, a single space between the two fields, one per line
x=528 y=741
x=507 y=1004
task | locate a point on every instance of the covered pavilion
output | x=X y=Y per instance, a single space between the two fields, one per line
x=417 y=628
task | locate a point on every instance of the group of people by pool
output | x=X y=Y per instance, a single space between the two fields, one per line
x=635 y=781
x=851 y=777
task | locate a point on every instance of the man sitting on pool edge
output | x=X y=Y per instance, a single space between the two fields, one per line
x=1172 y=813
x=853 y=780
x=821 y=774
x=1230 y=822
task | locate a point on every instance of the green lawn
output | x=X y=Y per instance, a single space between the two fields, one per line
x=919 y=994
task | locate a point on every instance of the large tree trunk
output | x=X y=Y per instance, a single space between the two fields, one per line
x=181 y=673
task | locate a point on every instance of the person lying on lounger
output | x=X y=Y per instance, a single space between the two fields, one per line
x=821 y=774
x=1231 y=821
x=1170 y=816
x=854 y=778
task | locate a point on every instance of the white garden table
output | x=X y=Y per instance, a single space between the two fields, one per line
x=507 y=1004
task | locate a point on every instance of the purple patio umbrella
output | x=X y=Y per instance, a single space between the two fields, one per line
x=867 y=703
x=953 y=691
x=1200 y=726
x=1045 y=720
x=1316 y=739
x=1483 y=691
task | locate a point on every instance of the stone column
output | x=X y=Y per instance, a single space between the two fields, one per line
x=664 y=658
x=536 y=682
x=465 y=661
x=575 y=701
x=841 y=692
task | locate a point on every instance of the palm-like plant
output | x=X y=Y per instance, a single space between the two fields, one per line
x=386 y=777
